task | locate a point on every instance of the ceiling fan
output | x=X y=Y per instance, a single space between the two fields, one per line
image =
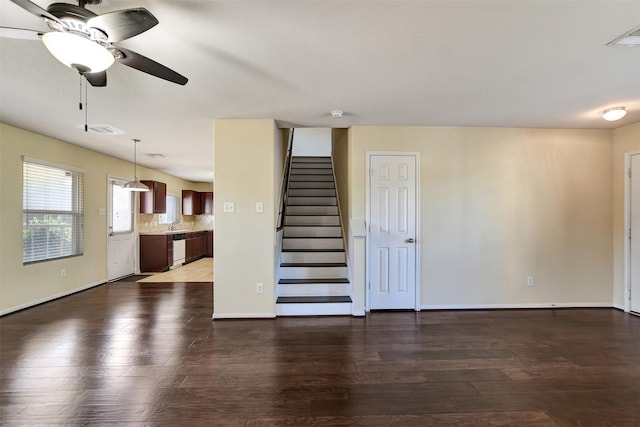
x=83 y=40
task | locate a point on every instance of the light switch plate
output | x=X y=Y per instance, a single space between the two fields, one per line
x=102 y=211
x=259 y=207
x=229 y=207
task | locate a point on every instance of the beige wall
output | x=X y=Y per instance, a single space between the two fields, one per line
x=247 y=154
x=499 y=205
x=340 y=156
x=625 y=139
x=21 y=286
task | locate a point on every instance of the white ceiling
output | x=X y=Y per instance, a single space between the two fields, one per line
x=511 y=63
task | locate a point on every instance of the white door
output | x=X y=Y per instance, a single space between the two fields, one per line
x=121 y=236
x=393 y=240
x=634 y=254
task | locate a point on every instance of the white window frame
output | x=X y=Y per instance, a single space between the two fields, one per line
x=76 y=210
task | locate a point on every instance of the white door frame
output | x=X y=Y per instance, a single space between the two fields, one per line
x=627 y=226
x=109 y=212
x=368 y=155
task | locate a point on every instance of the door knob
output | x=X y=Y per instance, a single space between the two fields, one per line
x=410 y=240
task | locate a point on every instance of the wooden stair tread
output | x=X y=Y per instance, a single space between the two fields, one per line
x=312 y=237
x=314 y=299
x=313 y=250
x=313 y=264
x=311 y=281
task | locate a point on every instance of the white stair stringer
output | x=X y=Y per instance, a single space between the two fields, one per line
x=313 y=270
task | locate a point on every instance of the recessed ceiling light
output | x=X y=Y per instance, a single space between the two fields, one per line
x=629 y=39
x=336 y=114
x=613 y=114
x=156 y=155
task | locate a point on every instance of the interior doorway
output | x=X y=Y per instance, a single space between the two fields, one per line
x=393 y=230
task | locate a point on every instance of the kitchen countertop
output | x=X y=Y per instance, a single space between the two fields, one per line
x=167 y=232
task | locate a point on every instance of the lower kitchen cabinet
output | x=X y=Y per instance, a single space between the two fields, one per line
x=156 y=252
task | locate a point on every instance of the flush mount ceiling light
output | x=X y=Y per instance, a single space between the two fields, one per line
x=613 y=114
x=336 y=114
x=78 y=52
x=135 y=185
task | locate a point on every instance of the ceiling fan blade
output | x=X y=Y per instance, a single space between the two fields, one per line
x=35 y=9
x=142 y=63
x=123 y=24
x=98 y=79
x=20 y=33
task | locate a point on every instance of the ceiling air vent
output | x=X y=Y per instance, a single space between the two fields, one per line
x=628 y=39
x=105 y=130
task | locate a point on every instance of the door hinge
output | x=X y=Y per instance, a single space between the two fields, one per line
x=629 y=233
x=370 y=171
x=629 y=172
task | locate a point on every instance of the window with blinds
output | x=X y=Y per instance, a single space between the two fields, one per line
x=52 y=211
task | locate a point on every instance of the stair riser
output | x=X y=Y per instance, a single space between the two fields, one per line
x=311 y=192
x=311 y=201
x=337 y=309
x=312 y=272
x=300 y=177
x=321 y=243
x=314 y=290
x=311 y=159
x=311 y=231
x=311 y=184
x=312 y=210
x=312 y=220
x=311 y=165
x=311 y=171
x=297 y=257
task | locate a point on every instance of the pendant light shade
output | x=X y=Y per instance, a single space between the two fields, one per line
x=135 y=185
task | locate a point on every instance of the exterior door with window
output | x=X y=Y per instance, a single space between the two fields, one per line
x=121 y=236
x=392 y=217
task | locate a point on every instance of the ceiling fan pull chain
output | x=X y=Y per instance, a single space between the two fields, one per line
x=86 y=106
x=80 y=102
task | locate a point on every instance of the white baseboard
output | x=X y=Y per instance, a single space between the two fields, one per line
x=509 y=306
x=359 y=313
x=50 y=298
x=243 y=316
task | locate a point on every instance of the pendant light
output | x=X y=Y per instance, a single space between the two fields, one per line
x=135 y=185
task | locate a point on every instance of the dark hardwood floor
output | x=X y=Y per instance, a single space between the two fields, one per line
x=131 y=354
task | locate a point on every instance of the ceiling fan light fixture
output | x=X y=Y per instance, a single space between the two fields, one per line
x=79 y=52
x=613 y=114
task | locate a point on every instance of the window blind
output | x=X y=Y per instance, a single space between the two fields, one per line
x=52 y=211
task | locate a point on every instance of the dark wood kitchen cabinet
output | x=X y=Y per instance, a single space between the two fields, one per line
x=156 y=252
x=192 y=202
x=196 y=246
x=207 y=201
x=155 y=200
x=209 y=244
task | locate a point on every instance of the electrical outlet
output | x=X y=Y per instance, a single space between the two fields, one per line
x=63 y=272
x=259 y=288
x=259 y=207
x=530 y=281
x=229 y=207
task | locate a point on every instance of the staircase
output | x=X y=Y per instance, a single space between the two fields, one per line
x=313 y=269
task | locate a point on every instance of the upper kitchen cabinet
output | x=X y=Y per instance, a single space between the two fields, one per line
x=208 y=202
x=192 y=203
x=155 y=200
